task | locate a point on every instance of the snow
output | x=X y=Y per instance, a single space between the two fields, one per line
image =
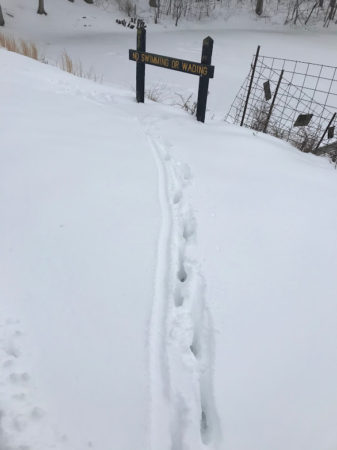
x=165 y=284
x=78 y=253
x=266 y=235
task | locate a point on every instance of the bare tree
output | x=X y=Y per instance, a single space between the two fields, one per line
x=157 y=11
x=297 y=12
x=177 y=10
x=2 y=20
x=41 y=9
x=332 y=9
x=259 y=7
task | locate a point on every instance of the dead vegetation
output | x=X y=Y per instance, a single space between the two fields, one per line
x=30 y=50
x=156 y=93
x=187 y=104
x=304 y=139
x=67 y=64
x=20 y=46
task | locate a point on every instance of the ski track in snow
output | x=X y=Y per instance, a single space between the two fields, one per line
x=183 y=414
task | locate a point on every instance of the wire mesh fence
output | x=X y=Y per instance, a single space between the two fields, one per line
x=293 y=100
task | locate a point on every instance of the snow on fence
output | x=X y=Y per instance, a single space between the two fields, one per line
x=293 y=100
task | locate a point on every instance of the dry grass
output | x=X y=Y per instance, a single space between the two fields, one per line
x=30 y=50
x=187 y=104
x=305 y=139
x=156 y=93
x=22 y=47
x=75 y=68
x=68 y=65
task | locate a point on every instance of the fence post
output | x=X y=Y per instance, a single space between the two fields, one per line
x=273 y=102
x=140 y=70
x=206 y=58
x=250 y=85
x=325 y=132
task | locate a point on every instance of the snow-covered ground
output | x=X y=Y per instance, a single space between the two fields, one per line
x=78 y=257
x=90 y=35
x=165 y=284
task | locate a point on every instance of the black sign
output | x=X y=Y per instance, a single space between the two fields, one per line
x=267 y=91
x=303 y=120
x=194 y=68
x=331 y=132
x=203 y=70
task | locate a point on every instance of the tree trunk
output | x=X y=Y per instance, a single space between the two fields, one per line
x=259 y=7
x=89 y=1
x=41 y=9
x=2 y=20
x=332 y=11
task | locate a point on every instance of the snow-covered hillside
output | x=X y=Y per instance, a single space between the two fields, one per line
x=164 y=284
x=78 y=257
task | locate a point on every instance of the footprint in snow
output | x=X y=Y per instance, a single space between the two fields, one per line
x=19 y=378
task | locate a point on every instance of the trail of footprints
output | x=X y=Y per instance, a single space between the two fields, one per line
x=189 y=329
x=20 y=419
x=189 y=338
x=190 y=305
x=13 y=383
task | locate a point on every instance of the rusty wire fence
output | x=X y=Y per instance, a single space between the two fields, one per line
x=293 y=100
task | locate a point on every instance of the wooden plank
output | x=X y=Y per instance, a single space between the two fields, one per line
x=166 y=62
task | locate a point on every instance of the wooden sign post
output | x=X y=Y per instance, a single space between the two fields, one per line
x=206 y=58
x=140 y=69
x=203 y=70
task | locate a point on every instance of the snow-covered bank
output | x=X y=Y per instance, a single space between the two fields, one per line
x=80 y=217
x=164 y=283
x=267 y=220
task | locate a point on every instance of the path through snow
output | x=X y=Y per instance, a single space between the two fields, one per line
x=183 y=410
